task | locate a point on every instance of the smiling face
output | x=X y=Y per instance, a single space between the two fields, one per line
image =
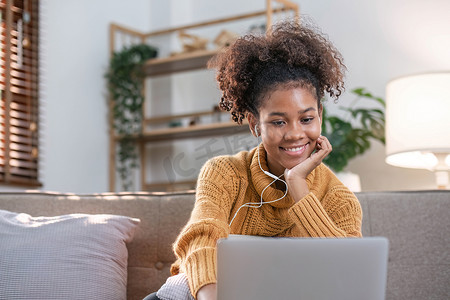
x=289 y=123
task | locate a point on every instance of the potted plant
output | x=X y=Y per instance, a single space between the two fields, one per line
x=352 y=134
x=125 y=84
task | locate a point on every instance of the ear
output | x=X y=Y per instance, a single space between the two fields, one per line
x=321 y=116
x=252 y=122
x=321 y=113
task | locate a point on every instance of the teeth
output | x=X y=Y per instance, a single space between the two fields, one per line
x=295 y=149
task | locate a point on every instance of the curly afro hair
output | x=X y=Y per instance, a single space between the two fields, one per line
x=291 y=55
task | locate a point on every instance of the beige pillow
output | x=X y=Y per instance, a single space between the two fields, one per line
x=77 y=256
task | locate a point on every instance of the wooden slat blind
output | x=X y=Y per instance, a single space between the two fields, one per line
x=19 y=85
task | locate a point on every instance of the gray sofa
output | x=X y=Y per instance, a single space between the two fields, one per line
x=417 y=225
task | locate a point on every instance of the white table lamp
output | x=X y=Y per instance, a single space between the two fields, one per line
x=418 y=123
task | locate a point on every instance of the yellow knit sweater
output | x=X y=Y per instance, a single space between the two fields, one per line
x=225 y=183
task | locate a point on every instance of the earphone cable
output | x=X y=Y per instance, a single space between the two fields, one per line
x=258 y=205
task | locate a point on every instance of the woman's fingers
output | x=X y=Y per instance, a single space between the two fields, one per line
x=323 y=147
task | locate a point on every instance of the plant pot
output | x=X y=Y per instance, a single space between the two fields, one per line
x=350 y=180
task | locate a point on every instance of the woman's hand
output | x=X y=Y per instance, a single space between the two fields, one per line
x=296 y=177
x=207 y=292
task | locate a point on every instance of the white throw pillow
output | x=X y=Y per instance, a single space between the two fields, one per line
x=77 y=256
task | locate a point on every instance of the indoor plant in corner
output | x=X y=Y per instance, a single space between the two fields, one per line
x=125 y=84
x=352 y=135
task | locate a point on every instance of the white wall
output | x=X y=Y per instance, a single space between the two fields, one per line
x=379 y=40
x=75 y=53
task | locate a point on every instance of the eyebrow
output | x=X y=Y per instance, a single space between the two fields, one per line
x=299 y=112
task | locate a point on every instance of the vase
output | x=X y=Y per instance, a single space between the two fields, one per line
x=350 y=180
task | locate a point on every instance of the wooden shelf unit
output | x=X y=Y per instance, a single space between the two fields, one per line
x=175 y=64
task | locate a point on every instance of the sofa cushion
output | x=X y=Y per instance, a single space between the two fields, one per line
x=75 y=256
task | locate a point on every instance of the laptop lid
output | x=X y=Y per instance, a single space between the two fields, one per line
x=258 y=268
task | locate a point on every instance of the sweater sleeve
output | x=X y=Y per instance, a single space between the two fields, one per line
x=195 y=247
x=338 y=214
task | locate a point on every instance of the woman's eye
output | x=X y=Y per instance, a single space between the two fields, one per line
x=278 y=123
x=307 y=120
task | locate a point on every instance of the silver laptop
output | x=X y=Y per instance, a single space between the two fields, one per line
x=259 y=268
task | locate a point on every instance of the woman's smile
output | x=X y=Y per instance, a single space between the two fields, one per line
x=295 y=150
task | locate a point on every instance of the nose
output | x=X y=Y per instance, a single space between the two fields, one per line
x=294 y=132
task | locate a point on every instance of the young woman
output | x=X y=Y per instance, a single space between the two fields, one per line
x=280 y=188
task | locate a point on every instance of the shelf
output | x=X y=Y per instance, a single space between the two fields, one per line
x=167 y=118
x=178 y=63
x=195 y=131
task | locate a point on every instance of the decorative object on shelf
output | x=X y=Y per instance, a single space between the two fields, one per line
x=418 y=124
x=125 y=82
x=352 y=136
x=194 y=121
x=216 y=113
x=191 y=42
x=225 y=38
x=175 y=123
x=258 y=28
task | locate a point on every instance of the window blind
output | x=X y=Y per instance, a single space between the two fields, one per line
x=19 y=106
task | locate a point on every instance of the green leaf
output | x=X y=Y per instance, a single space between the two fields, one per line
x=353 y=136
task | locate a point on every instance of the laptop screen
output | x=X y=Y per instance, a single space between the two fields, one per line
x=301 y=268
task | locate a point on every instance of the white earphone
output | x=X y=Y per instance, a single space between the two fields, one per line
x=271 y=175
x=264 y=171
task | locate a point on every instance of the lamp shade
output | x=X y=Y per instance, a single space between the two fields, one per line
x=418 y=121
